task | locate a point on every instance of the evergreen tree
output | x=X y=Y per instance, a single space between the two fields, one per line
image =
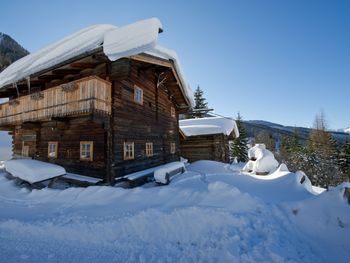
x=292 y=153
x=239 y=148
x=201 y=106
x=344 y=161
x=322 y=155
x=267 y=139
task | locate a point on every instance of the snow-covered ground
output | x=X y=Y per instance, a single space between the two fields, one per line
x=211 y=213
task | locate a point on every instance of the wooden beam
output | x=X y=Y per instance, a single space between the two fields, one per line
x=82 y=65
x=151 y=59
x=65 y=71
x=50 y=77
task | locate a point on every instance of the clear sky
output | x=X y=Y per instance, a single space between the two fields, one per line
x=281 y=61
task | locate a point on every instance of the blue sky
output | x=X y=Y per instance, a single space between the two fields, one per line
x=281 y=61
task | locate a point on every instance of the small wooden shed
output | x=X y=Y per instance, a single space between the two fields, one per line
x=207 y=138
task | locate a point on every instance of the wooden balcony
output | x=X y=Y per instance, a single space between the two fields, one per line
x=84 y=96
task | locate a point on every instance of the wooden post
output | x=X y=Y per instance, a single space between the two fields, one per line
x=110 y=173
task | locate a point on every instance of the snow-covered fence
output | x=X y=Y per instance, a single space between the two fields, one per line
x=163 y=174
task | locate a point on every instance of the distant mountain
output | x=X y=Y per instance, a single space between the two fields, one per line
x=347 y=130
x=10 y=51
x=253 y=127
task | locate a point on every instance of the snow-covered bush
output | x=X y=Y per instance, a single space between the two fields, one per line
x=261 y=160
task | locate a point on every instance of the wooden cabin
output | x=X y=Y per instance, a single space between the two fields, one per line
x=97 y=112
x=207 y=138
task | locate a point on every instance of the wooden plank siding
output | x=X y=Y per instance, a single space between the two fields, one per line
x=100 y=110
x=205 y=147
x=68 y=137
x=91 y=95
x=149 y=122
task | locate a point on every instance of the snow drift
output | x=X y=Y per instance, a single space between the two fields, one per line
x=200 y=217
x=262 y=161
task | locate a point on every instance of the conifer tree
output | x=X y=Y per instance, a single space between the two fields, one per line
x=344 y=161
x=267 y=139
x=201 y=106
x=322 y=155
x=239 y=147
x=292 y=153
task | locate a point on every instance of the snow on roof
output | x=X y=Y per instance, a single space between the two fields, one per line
x=33 y=171
x=208 y=126
x=132 y=39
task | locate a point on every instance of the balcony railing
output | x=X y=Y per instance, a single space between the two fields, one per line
x=87 y=95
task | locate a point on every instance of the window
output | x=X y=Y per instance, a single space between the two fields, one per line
x=172 y=148
x=149 y=149
x=172 y=112
x=138 y=95
x=25 y=150
x=128 y=150
x=52 y=150
x=86 y=150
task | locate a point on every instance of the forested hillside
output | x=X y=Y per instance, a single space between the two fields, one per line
x=10 y=51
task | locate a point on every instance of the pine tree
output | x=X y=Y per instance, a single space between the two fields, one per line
x=201 y=106
x=344 y=161
x=267 y=139
x=322 y=155
x=292 y=153
x=239 y=148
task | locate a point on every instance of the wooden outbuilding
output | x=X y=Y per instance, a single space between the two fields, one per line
x=207 y=138
x=102 y=102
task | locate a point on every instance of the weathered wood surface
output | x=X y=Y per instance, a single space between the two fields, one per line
x=92 y=94
x=205 y=147
x=149 y=122
x=68 y=117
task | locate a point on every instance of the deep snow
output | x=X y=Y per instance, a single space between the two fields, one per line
x=211 y=213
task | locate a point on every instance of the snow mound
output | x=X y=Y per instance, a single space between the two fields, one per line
x=209 y=215
x=163 y=174
x=209 y=167
x=206 y=126
x=262 y=161
x=33 y=171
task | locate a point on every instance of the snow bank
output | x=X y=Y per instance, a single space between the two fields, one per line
x=117 y=42
x=163 y=173
x=261 y=160
x=33 y=171
x=202 y=216
x=206 y=126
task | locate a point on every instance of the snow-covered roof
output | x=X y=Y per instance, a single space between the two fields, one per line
x=208 y=126
x=117 y=42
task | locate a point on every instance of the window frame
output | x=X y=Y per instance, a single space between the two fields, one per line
x=149 y=149
x=172 y=147
x=56 y=149
x=138 y=90
x=91 y=158
x=125 y=150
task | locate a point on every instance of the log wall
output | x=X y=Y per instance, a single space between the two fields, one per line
x=68 y=135
x=149 y=122
x=205 y=147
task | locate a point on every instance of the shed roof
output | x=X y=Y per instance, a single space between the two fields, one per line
x=208 y=126
x=117 y=42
